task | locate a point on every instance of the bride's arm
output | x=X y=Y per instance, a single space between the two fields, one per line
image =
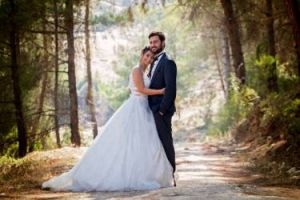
x=139 y=83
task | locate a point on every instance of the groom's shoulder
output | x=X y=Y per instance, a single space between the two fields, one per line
x=169 y=58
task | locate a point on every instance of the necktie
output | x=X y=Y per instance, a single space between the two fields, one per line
x=151 y=67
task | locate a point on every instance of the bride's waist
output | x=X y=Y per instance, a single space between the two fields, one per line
x=139 y=96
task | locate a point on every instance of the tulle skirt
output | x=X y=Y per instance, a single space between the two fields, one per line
x=126 y=155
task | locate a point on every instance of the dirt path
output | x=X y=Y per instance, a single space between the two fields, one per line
x=202 y=174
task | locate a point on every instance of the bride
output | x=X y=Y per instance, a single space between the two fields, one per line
x=128 y=154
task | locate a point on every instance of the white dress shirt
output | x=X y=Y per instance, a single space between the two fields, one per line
x=156 y=63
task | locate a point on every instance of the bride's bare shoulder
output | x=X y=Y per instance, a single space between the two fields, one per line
x=136 y=70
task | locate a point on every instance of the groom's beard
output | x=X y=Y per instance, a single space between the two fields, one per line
x=157 y=51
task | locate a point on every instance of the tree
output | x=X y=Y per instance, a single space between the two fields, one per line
x=219 y=68
x=44 y=74
x=15 y=56
x=235 y=42
x=89 y=98
x=56 y=57
x=293 y=12
x=272 y=78
x=226 y=61
x=69 y=22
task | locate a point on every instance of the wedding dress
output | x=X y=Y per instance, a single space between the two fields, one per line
x=126 y=155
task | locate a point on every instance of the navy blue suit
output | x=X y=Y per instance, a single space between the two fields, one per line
x=164 y=76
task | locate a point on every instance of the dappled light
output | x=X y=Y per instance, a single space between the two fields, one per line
x=218 y=83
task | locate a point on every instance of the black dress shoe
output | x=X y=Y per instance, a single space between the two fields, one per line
x=174 y=180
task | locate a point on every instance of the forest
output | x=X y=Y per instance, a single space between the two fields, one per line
x=64 y=67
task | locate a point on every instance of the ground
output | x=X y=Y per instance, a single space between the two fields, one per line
x=204 y=171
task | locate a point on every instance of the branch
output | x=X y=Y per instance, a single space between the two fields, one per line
x=49 y=53
x=7 y=102
x=45 y=32
x=59 y=71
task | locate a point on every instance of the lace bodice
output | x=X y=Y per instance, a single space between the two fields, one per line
x=132 y=86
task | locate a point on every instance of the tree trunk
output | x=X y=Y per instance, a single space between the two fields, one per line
x=234 y=38
x=36 y=122
x=89 y=98
x=270 y=28
x=218 y=65
x=272 y=79
x=15 y=55
x=226 y=61
x=69 y=20
x=293 y=11
x=56 y=105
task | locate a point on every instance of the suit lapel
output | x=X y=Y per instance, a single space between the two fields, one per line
x=157 y=67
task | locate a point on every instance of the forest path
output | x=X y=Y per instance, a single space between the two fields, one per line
x=204 y=172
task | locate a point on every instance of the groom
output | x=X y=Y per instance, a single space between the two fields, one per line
x=163 y=75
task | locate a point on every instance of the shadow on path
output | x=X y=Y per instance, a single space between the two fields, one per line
x=201 y=174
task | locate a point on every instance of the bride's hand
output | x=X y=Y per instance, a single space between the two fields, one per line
x=163 y=90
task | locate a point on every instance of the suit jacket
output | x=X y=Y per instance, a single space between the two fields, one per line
x=164 y=76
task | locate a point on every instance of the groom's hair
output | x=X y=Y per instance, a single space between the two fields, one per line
x=159 y=34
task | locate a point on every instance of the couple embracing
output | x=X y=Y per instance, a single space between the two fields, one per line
x=135 y=149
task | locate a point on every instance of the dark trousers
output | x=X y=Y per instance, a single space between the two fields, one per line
x=164 y=129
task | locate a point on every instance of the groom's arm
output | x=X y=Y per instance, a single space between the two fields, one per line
x=139 y=84
x=170 y=73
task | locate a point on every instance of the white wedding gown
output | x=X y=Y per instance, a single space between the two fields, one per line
x=126 y=155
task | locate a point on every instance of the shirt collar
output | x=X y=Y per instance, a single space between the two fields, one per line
x=159 y=55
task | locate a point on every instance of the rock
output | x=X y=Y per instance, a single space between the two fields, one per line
x=293 y=171
x=295 y=177
x=260 y=151
x=243 y=148
x=276 y=146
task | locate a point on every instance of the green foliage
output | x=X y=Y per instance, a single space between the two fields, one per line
x=12 y=150
x=258 y=72
x=280 y=107
x=66 y=137
x=240 y=101
x=21 y=173
x=283 y=110
x=292 y=108
x=12 y=168
x=9 y=145
x=6 y=163
x=30 y=65
x=108 y=19
x=115 y=93
x=280 y=120
x=182 y=44
x=278 y=171
x=265 y=62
